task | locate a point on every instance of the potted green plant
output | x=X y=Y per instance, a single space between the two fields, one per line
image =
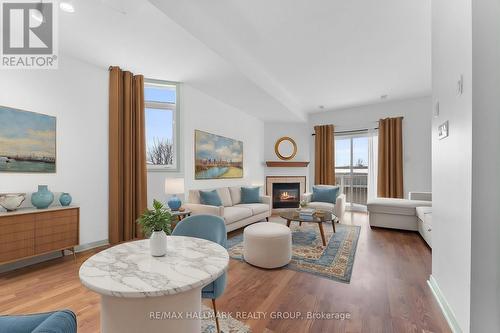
x=156 y=224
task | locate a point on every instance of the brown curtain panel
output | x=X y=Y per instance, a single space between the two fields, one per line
x=127 y=155
x=324 y=163
x=390 y=158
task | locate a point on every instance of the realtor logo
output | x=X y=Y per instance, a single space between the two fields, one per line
x=28 y=34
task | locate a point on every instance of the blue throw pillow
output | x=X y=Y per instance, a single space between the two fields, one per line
x=210 y=198
x=250 y=195
x=325 y=194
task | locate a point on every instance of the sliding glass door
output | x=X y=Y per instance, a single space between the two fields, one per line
x=351 y=168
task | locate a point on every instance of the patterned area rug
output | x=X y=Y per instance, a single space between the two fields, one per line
x=227 y=324
x=334 y=261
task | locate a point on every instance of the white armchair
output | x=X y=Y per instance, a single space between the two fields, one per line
x=338 y=208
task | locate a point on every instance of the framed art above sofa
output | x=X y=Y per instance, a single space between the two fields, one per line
x=217 y=157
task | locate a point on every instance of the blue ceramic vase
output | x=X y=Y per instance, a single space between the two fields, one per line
x=174 y=203
x=42 y=198
x=65 y=199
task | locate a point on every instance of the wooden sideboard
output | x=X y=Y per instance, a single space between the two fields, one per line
x=29 y=232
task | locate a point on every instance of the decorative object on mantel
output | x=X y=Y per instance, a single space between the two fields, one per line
x=65 y=199
x=11 y=201
x=30 y=141
x=174 y=186
x=286 y=164
x=285 y=148
x=42 y=198
x=156 y=223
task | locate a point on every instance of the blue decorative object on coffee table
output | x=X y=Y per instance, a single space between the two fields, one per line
x=42 y=198
x=174 y=203
x=65 y=199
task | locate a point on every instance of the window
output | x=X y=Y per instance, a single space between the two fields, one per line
x=161 y=108
x=351 y=167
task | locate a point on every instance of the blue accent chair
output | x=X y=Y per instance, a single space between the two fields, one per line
x=212 y=228
x=50 y=322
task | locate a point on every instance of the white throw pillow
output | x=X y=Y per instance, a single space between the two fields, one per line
x=225 y=197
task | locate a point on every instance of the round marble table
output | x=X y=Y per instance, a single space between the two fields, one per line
x=142 y=293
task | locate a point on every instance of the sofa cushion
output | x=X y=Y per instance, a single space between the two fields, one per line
x=325 y=193
x=321 y=205
x=257 y=208
x=194 y=196
x=395 y=206
x=250 y=195
x=423 y=213
x=235 y=194
x=235 y=214
x=210 y=198
x=225 y=196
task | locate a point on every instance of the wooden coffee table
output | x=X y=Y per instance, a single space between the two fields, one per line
x=323 y=216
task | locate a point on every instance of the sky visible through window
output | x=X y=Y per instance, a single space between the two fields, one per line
x=158 y=125
x=159 y=122
x=343 y=152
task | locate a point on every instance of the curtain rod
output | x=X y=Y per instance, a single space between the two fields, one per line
x=353 y=131
x=360 y=130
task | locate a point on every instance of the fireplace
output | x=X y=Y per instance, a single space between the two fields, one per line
x=286 y=195
x=285 y=191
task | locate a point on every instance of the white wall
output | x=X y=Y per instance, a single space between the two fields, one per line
x=452 y=157
x=485 y=236
x=77 y=94
x=301 y=134
x=200 y=111
x=417 y=115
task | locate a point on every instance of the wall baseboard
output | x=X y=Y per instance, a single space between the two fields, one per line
x=443 y=304
x=93 y=245
x=49 y=256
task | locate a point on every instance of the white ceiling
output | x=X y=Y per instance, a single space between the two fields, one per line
x=135 y=35
x=275 y=59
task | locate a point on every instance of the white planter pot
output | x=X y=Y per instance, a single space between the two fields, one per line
x=158 y=243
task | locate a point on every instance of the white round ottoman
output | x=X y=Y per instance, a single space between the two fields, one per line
x=267 y=245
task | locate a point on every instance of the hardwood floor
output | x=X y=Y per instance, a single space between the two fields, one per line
x=388 y=290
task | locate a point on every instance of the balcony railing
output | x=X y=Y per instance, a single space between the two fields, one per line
x=354 y=186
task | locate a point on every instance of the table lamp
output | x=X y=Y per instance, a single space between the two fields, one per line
x=174 y=186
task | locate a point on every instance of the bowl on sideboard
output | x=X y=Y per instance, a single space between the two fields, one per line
x=12 y=201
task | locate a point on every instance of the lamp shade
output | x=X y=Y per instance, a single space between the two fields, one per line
x=174 y=185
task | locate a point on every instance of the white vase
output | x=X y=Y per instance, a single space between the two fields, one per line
x=158 y=243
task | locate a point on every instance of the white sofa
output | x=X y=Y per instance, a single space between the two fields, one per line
x=235 y=213
x=338 y=208
x=414 y=213
x=424 y=216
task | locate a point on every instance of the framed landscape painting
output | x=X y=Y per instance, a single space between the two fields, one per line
x=217 y=157
x=27 y=141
